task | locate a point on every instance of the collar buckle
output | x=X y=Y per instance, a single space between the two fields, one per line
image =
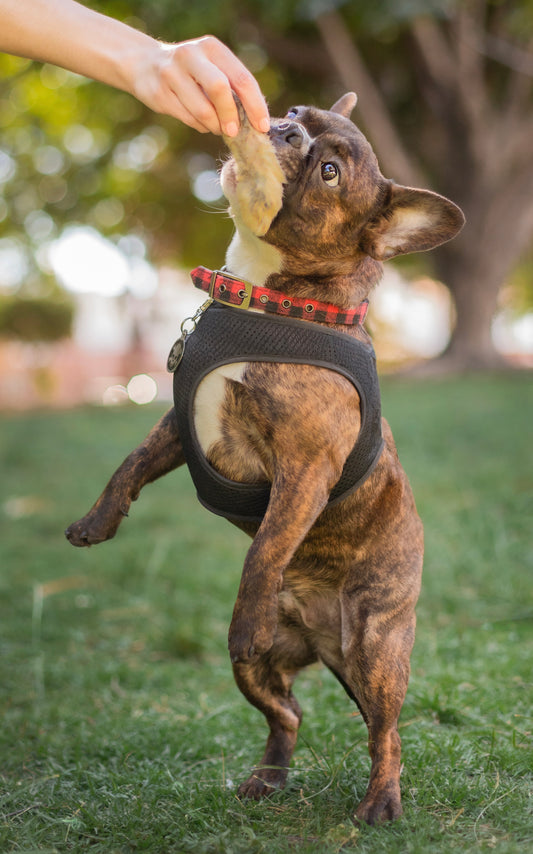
x=245 y=292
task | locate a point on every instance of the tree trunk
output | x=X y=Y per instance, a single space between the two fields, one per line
x=483 y=160
x=479 y=261
x=475 y=290
x=376 y=117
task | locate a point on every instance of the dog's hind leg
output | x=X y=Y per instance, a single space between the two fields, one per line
x=160 y=453
x=266 y=682
x=376 y=673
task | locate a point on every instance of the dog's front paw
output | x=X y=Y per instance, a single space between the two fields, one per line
x=251 y=636
x=94 y=528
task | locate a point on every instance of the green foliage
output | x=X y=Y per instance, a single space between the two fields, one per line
x=519 y=297
x=385 y=19
x=122 y=729
x=43 y=108
x=71 y=141
x=35 y=319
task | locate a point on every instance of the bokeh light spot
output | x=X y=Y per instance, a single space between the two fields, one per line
x=142 y=389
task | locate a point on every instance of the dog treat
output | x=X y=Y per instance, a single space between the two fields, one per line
x=257 y=177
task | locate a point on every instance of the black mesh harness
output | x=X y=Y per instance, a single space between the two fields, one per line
x=225 y=335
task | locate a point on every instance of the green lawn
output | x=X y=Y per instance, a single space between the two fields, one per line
x=122 y=729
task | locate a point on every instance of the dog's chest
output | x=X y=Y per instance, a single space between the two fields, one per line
x=225 y=423
x=209 y=401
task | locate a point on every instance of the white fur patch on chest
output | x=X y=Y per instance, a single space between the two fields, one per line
x=251 y=258
x=208 y=402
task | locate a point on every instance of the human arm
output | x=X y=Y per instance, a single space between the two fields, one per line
x=191 y=81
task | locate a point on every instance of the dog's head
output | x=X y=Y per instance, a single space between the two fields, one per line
x=329 y=205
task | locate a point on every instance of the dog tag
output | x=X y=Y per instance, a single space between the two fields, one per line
x=176 y=354
x=187 y=328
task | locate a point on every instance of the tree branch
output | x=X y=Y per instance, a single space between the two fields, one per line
x=300 y=55
x=470 y=74
x=455 y=86
x=474 y=40
x=435 y=52
x=516 y=148
x=504 y=52
x=376 y=117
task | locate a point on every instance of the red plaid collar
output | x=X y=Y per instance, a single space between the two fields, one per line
x=225 y=288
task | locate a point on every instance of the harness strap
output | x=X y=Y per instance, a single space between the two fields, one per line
x=225 y=335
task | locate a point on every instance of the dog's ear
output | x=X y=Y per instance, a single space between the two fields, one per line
x=345 y=105
x=411 y=221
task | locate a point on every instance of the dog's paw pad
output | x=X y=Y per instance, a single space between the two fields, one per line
x=256 y=787
x=376 y=810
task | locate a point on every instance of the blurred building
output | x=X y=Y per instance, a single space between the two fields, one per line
x=115 y=338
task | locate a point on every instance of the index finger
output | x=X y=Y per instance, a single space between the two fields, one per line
x=252 y=100
x=244 y=84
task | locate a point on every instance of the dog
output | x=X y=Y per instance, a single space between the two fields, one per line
x=329 y=580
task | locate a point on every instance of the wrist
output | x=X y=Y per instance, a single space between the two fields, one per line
x=120 y=56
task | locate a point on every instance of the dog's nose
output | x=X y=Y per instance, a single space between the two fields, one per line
x=290 y=132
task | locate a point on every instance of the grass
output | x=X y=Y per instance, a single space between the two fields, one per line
x=122 y=730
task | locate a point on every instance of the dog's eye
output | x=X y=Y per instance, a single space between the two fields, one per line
x=292 y=113
x=330 y=174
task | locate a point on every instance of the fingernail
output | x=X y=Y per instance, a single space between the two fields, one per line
x=264 y=125
x=231 y=129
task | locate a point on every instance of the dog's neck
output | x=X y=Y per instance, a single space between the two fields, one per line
x=250 y=258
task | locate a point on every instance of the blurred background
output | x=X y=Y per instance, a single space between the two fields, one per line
x=105 y=206
x=121 y=726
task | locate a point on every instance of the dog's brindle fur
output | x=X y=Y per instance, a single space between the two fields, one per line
x=334 y=584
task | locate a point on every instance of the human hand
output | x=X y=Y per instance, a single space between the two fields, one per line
x=193 y=82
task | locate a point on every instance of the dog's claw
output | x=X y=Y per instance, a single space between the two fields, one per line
x=243 y=118
x=237 y=657
x=251 y=636
x=383 y=806
x=247 y=645
x=78 y=539
x=262 y=783
x=98 y=525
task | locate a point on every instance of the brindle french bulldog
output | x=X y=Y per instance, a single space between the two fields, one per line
x=333 y=582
